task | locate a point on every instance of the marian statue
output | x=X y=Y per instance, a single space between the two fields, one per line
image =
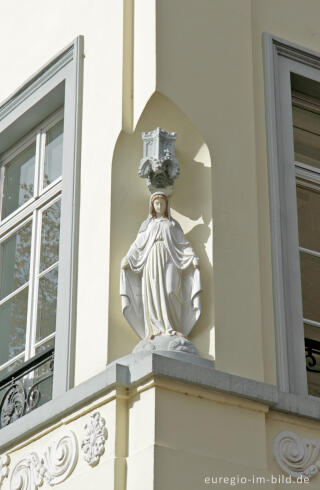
x=160 y=278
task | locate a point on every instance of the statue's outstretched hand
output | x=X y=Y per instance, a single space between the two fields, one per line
x=124 y=263
x=196 y=262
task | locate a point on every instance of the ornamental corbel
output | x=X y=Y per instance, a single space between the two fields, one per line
x=159 y=165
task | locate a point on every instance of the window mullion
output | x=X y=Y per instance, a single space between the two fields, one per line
x=39 y=163
x=2 y=170
x=33 y=284
x=42 y=158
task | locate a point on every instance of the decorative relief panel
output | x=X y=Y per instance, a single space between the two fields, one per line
x=4 y=467
x=27 y=473
x=94 y=441
x=60 y=459
x=296 y=456
x=58 y=462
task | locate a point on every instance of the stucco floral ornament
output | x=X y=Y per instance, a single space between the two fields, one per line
x=57 y=464
x=4 y=467
x=93 y=444
x=297 y=456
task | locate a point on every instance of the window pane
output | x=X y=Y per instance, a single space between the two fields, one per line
x=18 y=180
x=43 y=382
x=53 y=155
x=50 y=236
x=12 y=367
x=47 y=304
x=13 y=319
x=306 y=147
x=46 y=345
x=15 y=260
x=309 y=218
x=310 y=280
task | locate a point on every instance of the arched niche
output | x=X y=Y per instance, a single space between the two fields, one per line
x=191 y=205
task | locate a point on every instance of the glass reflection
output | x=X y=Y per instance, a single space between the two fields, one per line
x=47 y=304
x=53 y=154
x=18 y=180
x=46 y=345
x=50 y=236
x=306 y=134
x=15 y=260
x=309 y=218
x=310 y=280
x=10 y=369
x=13 y=319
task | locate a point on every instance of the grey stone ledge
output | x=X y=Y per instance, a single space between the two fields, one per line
x=59 y=407
x=134 y=369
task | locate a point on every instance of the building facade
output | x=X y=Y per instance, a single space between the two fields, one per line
x=239 y=82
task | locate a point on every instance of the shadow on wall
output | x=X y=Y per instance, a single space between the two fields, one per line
x=191 y=205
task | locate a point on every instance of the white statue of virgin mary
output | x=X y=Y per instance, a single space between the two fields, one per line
x=160 y=278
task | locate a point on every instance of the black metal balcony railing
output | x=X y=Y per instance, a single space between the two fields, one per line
x=312 y=348
x=27 y=387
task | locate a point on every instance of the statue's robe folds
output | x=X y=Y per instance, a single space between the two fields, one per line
x=160 y=290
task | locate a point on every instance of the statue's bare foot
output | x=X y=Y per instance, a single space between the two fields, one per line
x=175 y=332
x=153 y=335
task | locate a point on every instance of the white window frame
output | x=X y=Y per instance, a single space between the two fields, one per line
x=280 y=59
x=32 y=210
x=58 y=83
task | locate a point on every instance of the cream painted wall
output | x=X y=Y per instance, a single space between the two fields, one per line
x=170 y=53
x=30 y=35
x=204 y=64
x=278 y=422
x=195 y=72
x=164 y=434
x=206 y=58
x=207 y=83
x=84 y=476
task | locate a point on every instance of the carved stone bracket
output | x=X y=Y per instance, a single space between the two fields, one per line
x=159 y=165
x=4 y=467
x=58 y=462
x=297 y=457
x=94 y=441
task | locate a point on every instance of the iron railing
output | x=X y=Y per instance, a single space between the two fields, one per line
x=312 y=348
x=27 y=387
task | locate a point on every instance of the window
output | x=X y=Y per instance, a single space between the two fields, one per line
x=293 y=123
x=306 y=138
x=29 y=242
x=39 y=188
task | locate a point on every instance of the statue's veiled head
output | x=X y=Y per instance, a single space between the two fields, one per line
x=159 y=205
